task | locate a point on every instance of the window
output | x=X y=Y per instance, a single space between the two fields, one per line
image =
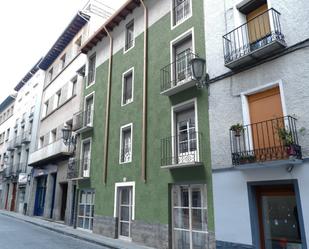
x=182 y=11
x=1 y=119
x=72 y=87
x=23 y=117
x=78 y=44
x=31 y=111
x=53 y=136
x=127 y=87
x=41 y=142
x=185 y=143
x=50 y=75
x=7 y=134
x=86 y=209
x=88 y=116
x=126 y=143
x=129 y=35
x=57 y=99
x=189 y=212
x=182 y=56
x=45 y=108
x=30 y=126
x=86 y=157
x=62 y=61
x=91 y=70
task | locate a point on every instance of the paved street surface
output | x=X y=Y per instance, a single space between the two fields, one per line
x=16 y=234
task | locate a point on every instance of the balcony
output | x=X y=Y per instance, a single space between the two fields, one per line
x=177 y=76
x=182 y=151
x=83 y=121
x=17 y=141
x=255 y=40
x=26 y=137
x=53 y=151
x=78 y=169
x=269 y=143
x=10 y=172
x=10 y=146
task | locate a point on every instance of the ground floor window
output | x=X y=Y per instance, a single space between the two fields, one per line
x=278 y=216
x=86 y=209
x=189 y=216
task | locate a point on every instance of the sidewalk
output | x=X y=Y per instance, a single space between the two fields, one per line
x=75 y=233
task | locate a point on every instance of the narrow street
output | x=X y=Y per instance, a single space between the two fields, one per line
x=15 y=234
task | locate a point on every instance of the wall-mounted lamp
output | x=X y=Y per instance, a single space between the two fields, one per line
x=198 y=66
x=68 y=138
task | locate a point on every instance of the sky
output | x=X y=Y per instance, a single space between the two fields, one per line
x=28 y=30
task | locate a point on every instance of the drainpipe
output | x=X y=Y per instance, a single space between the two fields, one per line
x=144 y=125
x=107 y=112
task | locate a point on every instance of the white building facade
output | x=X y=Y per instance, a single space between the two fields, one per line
x=257 y=61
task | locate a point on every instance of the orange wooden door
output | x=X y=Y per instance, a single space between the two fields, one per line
x=266 y=116
x=258 y=23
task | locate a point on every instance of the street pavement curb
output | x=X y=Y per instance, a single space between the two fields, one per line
x=86 y=237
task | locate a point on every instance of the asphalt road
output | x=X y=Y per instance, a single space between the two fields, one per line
x=15 y=234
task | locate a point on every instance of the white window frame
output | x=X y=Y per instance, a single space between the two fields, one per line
x=125 y=37
x=84 y=141
x=124 y=127
x=71 y=84
x=178 y=108
x=173 y=44
x=92 y=94
x=89 y=84
x=92 y=204
x=45 y=108
x=53 y=136
x=204 y=195
x=117 y=186
x=173 y=26
x=126 y=73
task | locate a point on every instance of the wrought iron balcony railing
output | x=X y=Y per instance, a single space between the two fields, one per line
x=78 y=168
x=181 y=11
x=257 y=33
x=178 y=72
x=270 y=140
x=183 y=149
x=83 y=119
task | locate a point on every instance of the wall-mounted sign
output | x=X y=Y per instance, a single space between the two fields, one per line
x=22 y=178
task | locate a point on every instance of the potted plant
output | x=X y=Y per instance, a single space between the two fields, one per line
x=237 y=129
x=247 y=159
x=287 y=138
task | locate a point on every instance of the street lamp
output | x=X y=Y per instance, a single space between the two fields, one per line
x=67 y=137
x=198 y=71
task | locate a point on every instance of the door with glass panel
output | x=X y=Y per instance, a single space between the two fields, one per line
x=189 y=217
x=183 y=55
x=86 y=209
x=186 y=140
x=88 y=111
x=278 y=216
x=124 y=212
x=86 y=159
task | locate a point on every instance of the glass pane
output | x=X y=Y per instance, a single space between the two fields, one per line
x=181 y=218
x=80 y=222
x=83 y=197
x=81 y=210
x=181 y=239
x=280 y=221
x=125 y=214
x=88 y=210
x=124 y=229
x=91 y=224
x=86 y=223
x=196 y=197
x=180 y=196
x=199 y=220
x=199 y=240
x=125 y=196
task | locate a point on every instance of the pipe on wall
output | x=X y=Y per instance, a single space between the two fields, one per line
x=107 y=111
x=144 y=125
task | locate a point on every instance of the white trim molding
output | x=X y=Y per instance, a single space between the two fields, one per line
x=120 y=142
x=124 y=184
x=173 y=26
x=126 y=73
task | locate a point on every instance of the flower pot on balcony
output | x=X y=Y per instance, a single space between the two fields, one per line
x=290 y=150
x=237 y=129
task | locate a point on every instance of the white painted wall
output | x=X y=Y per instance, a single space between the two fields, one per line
x=232 y=217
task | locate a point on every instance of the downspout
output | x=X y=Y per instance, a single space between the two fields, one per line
x=144 y=125
x=107 y=112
